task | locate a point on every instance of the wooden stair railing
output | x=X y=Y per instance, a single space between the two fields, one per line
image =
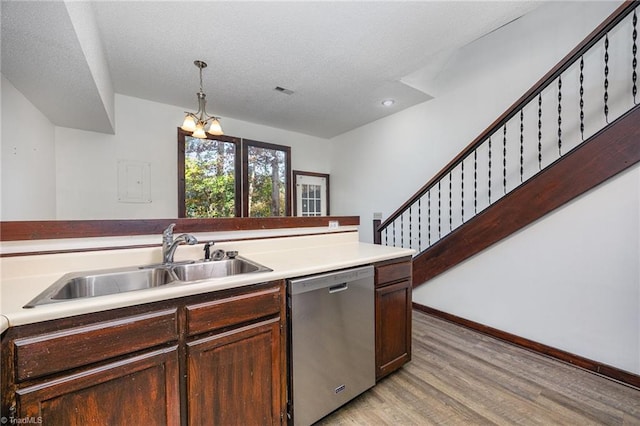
x=516 y=189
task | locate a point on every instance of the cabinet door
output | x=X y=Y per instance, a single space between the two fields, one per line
x=140 y=389
x=234 y=377
x=393 y=327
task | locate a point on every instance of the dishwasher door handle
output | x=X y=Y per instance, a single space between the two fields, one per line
x=338 y=288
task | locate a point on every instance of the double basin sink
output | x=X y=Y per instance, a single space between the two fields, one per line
x=112 y=281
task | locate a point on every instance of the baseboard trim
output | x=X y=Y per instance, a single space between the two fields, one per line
x=594 y=366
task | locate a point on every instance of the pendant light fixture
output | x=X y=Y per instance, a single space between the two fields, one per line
x=199 y=121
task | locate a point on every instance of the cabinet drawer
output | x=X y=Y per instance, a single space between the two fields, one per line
x=393 y=272
x=207 y=316
x=74 y=347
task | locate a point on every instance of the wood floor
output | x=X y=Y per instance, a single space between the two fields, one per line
x=458 y=376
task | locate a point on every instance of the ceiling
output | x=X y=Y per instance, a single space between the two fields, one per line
x=340 y=58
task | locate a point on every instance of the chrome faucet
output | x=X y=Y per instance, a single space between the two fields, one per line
x=169 y=244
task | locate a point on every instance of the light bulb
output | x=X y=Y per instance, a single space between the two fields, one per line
x=199 y=132
x=215 y=128
x=189 y=123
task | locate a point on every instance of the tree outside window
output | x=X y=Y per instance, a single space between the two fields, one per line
x=214 y=182
x=267 y=179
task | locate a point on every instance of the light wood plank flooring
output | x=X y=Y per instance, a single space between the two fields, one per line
x=458 y=376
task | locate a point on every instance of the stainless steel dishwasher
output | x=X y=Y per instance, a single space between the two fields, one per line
x=332 y=341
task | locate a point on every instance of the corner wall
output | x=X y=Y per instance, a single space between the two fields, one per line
x=28 y=180
x=387 y=161
x=572 y=279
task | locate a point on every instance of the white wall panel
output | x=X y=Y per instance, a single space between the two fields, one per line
x=570 y=280
x=28 y=162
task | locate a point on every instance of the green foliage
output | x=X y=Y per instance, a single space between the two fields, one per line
x=209 y=179
x=261 y=199
x=266 y=182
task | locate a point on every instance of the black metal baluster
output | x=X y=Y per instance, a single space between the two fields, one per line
x=394 y=233
x=504 y=159
x=540 y=131
x=560 y=115
x=386 y=236
x=475 y=181
x=606 y=77
x=439 y=211
x=410 y=233
x=429 y=218
x=634 y=62
x=419 y=224
x=581 y=97
x=402 y=230
x=521 y=144
x=489 y=170
x=450 y=203
x=462 y=191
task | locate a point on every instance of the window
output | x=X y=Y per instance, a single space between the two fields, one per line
x=311 y=193
x=266 y=179
x=224 y=176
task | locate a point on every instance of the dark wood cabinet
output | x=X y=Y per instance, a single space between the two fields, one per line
x=215 y=358
x=393 y=316
x=235 y=375
x=143 y=388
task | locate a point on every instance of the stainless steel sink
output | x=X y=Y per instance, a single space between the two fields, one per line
x=216 y=269
x=112 y=281
x=101 y=283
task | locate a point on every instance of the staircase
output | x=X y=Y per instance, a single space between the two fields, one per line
x=574 y=129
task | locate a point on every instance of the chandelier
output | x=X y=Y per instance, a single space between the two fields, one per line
x=199 y=121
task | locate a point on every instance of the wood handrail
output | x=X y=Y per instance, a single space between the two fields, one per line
x=618 y=15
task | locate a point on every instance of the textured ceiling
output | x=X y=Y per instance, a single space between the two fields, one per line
x=341 y=59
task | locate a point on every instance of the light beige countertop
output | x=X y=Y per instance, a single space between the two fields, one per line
x=24 y=277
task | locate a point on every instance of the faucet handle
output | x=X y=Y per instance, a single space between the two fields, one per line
x=168 y=232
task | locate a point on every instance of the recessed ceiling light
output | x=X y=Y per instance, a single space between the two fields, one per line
x=388 y=102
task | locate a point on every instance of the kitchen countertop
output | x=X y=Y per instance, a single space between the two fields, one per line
x=287 y=260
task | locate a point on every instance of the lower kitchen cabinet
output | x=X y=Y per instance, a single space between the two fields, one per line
x=236 y=375
x=141 y=389
x=236 y=359
x=393 y=316
x=216 y=358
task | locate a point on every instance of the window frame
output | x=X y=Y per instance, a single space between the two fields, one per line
x=241 y=165
x=245 y=173
x=182 y=135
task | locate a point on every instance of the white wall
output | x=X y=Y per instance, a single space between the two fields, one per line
x=28 y=166
x=83 y=167
x=572 y=279
x=395 y=156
